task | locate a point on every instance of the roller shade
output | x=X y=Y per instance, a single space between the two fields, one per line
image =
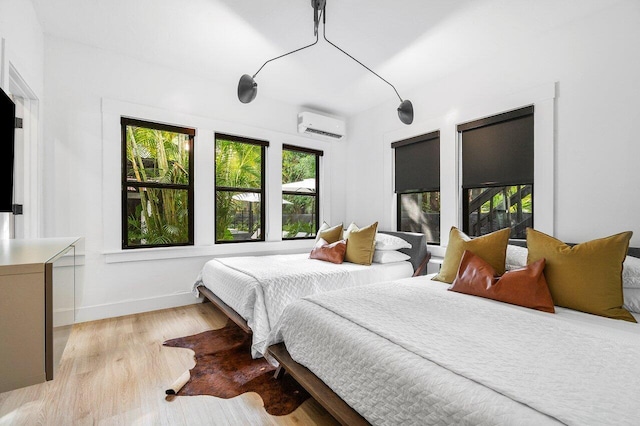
x=417 y=163
x=498 y=151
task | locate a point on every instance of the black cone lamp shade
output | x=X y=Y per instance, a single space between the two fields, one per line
x=405 y=111
x=248 y=89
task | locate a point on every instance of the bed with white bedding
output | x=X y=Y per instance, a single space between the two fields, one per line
x=254 y=290
x=410 y=352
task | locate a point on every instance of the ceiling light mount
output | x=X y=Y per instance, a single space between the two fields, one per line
x=248 y=88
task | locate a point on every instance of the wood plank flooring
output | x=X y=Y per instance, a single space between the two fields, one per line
x=115 y=371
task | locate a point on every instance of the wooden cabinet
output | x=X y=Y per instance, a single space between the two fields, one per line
x=37 y=307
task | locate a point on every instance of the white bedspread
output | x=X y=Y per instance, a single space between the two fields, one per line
x=260 y=287
x=410 y=352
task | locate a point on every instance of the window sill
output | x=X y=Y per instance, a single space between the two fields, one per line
x=228 y=249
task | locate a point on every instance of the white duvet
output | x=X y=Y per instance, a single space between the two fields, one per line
x=260 y=287
x=410 y=352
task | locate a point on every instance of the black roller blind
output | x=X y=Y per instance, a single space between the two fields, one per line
x=498 y=150
x=417 y=163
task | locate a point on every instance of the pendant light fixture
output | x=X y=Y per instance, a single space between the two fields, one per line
x=248 y=88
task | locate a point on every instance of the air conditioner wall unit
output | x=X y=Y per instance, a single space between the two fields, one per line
x=316 y=124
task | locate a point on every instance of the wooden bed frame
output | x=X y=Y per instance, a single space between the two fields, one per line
x=419 y=259
x=318 y=390
x=209 y=296
x=322 y=393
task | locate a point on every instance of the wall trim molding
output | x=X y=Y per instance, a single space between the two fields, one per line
x=137 y=306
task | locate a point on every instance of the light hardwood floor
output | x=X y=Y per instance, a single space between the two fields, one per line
x=115 y=371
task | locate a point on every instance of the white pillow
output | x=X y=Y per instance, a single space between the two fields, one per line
x=631 y=273
x=390 y=242
x=389 y=256
x=631 y=299
x=516 y=257
x=346 y=232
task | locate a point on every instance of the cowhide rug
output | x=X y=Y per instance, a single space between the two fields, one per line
x=224 y=368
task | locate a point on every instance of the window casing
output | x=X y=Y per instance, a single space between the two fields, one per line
x=417 y=183
x=240 y=188
x=300 y=192
x=157 y=184
x=497 y=173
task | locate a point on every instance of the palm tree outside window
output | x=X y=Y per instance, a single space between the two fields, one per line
x=157 y=184
x=240 y=177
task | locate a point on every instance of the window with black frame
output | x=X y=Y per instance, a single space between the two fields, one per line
x=417 y=183
x=240 y=177
x=157 y=184
x=497 y=173
x=300 y=188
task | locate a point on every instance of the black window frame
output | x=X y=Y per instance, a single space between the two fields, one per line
x=125 y=184
x=527 y=183
x=316 y=194
x=263 y=156
x=418 y=187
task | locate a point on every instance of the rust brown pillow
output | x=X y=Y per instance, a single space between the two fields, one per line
x=524 y=287
x=333 y=252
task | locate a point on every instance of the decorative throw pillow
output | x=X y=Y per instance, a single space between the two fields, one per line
x=329 y=234
x=631 y=272
x=361 y=244
x=352 y=227
x=516 y=257
x=333 y=252
x=586 y=277
x=523 y=287
x=491 y=247
x=631 y=299
x=389 y=256
x=391 y=242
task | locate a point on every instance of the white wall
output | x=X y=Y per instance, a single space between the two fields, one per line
x=22 y=75
x=87 y=90
x=24 y=42
x=595 y=176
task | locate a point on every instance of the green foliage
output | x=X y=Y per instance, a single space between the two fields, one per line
x=297 y=166
x=292 y=229
x=162 y=215
x=238 y=165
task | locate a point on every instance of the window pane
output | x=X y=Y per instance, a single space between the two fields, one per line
x=238 y=216
x=238 y=164
x=157 y=216
x=299 y=216
x=239 y=173
x=157 y=184
x=299 y=198
x=491 y=209
x=420 y=212
x=157 y=155
x=298 y=171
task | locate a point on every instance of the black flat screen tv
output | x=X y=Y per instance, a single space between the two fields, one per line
x=7 y=136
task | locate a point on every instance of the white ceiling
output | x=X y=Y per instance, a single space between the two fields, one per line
x=408 y=42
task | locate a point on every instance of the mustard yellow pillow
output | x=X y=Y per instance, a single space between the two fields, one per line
x=586 y=277
x=361 y=243
x=492 y=248
x=329 y=234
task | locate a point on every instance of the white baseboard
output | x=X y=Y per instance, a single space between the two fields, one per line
x=62 y=317
x=128 y=307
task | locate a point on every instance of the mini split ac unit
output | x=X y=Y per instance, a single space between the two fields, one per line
x=321 y=125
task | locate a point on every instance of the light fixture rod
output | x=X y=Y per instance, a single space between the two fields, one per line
x=324 y=34
x=289 y=53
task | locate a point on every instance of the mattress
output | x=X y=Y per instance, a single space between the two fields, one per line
x=258 y=288
x=410 y=352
